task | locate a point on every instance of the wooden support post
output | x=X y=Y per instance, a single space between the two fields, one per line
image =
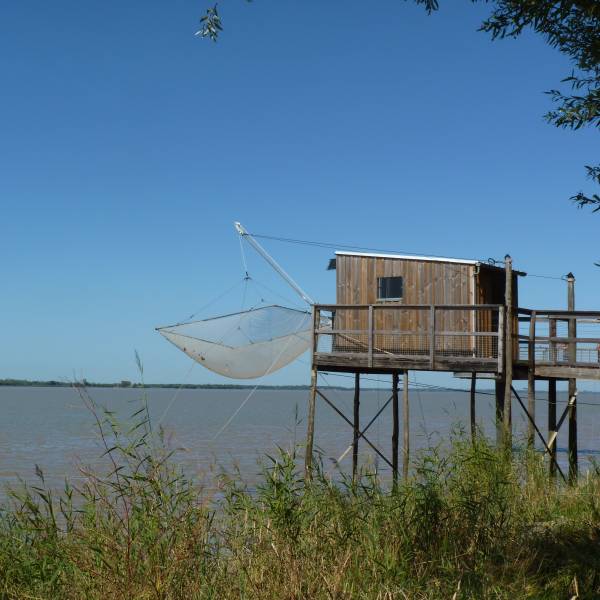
x=499 y=387
x=310 y=429
x=473 y=419
x=310 y=426
x=356 y=425
x=531 y=381
x=552 y=432
x=573 y=466
x=508 y=345
x=395 y=429
x=405 y=425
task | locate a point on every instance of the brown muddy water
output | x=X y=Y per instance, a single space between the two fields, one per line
x=52 y=428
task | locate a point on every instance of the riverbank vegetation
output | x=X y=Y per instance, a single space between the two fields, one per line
x=470 y=522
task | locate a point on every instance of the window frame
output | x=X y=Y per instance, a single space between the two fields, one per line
x=381 y=298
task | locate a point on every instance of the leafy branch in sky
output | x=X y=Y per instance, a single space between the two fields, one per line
x=210 y=24
x=570 y=26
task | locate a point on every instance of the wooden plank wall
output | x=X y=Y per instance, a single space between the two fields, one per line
x=425 y=282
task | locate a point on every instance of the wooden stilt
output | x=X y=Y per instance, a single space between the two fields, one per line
x=573 y=449
x=405 y=426
x=531 y=381
x=499 y=385
x=395 y=429
x=573 y=466
x=552 y=425
x=356 y=425
x=472 y=411
x=312 y=398
x=508 y=347
x=310 y=429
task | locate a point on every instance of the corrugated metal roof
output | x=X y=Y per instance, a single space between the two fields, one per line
x=462 y=261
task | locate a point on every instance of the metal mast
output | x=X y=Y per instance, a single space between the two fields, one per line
x=248 y=237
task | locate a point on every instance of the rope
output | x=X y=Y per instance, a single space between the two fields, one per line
x=424 y=423
x=253 y=390
x=211 y=302
x=341 y=246
x=194 y=363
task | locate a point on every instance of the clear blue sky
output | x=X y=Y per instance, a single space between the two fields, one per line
x=128 y=147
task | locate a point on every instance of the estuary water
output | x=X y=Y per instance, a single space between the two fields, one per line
x=52 y=428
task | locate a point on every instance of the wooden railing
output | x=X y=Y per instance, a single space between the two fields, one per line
x=434 y=337
x=559 y=338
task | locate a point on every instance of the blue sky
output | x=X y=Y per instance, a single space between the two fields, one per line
x=129 y=147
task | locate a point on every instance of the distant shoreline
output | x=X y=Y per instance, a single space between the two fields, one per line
x=200 y=386
x=130 y=384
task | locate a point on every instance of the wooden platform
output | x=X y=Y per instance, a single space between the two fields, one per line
x=464 y=338
x=351 y=362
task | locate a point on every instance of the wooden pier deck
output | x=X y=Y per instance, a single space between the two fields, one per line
x=383 y=338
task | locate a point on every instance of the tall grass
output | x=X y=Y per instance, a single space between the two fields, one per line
x=469 y=523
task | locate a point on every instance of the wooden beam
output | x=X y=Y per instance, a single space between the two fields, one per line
x=395 y=428
x=563 y=372
x=476 y=307
x=356 y=435
x=508 y=365
x=405 y=426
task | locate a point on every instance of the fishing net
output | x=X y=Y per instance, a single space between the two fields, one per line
x=247 y=344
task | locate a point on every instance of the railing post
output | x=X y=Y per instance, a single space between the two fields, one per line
x=552 y=344
x=370 y=335
x=432 y=337
x=316 y=327
x=500 y=339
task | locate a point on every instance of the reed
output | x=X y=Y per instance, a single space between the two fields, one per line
x=470 y=522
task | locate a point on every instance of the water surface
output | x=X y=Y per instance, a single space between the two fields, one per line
x=51 y=427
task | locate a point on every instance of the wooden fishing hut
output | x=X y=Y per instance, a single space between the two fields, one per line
x=396 y=313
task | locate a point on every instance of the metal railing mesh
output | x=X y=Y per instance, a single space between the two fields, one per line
x=553 y=344
x=407 y=332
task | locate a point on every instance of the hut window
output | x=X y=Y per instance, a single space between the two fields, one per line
x=389 y=288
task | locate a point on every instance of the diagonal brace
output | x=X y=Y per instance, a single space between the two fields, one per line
x=361 y=434
x=554 y=435
x=532 y=421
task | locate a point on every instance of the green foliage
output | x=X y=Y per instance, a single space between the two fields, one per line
x=573 y=28
x=210 y=24
x=469 y=523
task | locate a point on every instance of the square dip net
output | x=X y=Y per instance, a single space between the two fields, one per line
x=247 y=344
